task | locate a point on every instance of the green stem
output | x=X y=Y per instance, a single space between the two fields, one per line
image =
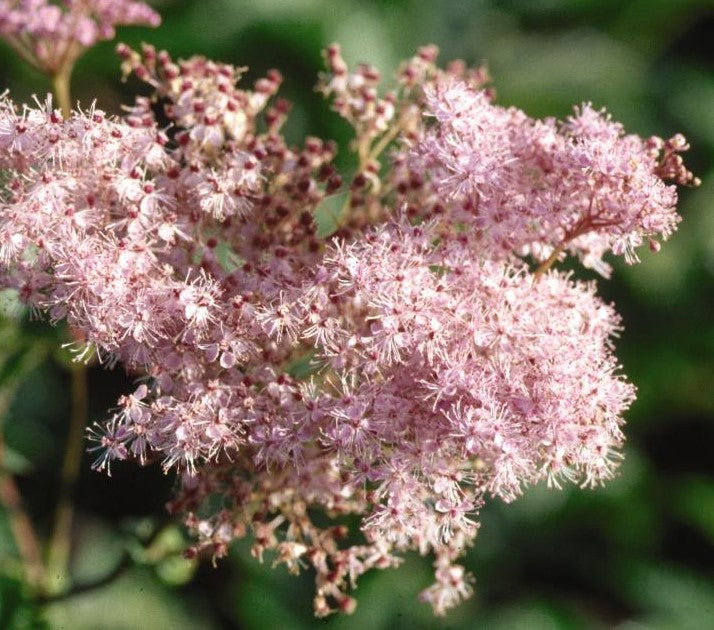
x=385 y=140
x=61 y=538
x=368 y=154
x=58 y=554
x=61 y=88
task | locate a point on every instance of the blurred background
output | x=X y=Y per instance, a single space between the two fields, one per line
x=637 y=554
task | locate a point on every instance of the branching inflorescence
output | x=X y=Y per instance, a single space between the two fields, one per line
x=393 y=363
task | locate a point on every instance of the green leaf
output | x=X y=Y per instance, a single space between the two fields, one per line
x=17 y=610
x=227 y=258
x=16 y=463
x=328 y=214
x=302 y=367
x=135 y=600
x=88 y=565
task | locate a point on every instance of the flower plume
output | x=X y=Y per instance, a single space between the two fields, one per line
x=403 y=359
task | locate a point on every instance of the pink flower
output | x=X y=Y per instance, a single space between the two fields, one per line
x=422 y=359
x=535 y=187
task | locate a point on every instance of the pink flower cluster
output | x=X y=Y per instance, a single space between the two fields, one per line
x=52 y=34
x=401 y=360
x=541 y=187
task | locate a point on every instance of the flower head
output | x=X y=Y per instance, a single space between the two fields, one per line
x=404 y=360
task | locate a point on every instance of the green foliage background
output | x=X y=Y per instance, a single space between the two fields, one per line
x=635 y=555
